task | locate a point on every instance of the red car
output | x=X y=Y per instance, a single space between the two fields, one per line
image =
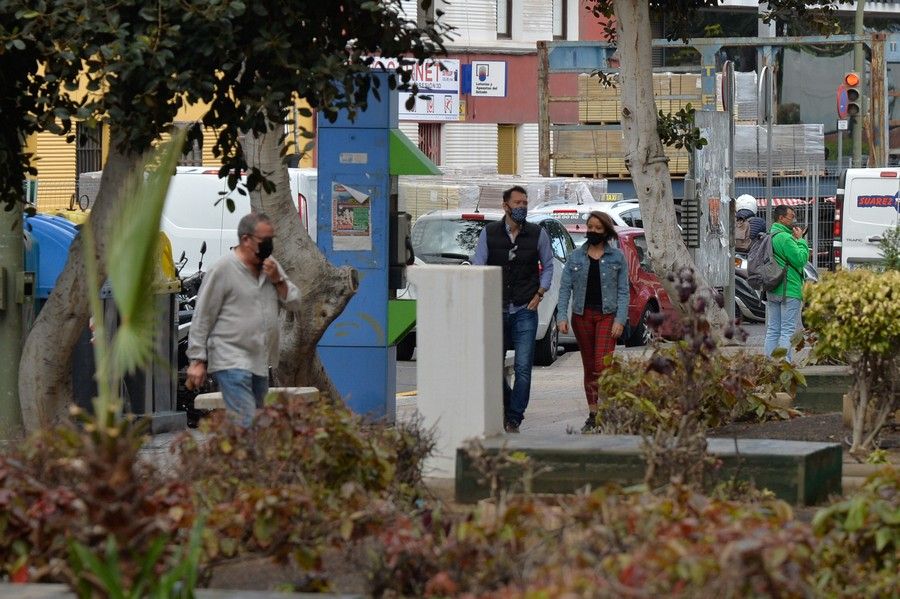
x=646 y=290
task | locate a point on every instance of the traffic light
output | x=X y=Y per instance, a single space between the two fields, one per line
x=851 y=84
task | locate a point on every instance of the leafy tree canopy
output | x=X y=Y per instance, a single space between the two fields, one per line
x=142 y=62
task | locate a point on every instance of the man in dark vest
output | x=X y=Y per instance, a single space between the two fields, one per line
x=518 y=247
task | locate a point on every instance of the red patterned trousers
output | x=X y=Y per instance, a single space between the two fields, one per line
x=593 y=331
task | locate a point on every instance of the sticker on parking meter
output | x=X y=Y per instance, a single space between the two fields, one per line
x=351 y=218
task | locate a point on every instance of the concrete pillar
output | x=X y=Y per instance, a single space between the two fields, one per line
x=459 y=349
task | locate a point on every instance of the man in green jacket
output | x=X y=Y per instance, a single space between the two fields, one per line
x=784 y=302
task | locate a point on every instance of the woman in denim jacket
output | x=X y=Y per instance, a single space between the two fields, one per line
x=596 y=278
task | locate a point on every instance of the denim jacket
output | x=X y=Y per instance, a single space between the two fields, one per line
x=613 y=281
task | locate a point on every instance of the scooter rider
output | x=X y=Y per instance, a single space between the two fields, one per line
x=748 y=225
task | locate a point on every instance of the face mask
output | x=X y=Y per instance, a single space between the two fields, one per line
x=518 y=214
x=594 y=238
x=265 y=249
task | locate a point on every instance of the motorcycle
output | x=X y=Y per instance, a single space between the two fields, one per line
x=749 y=301
x=187 y=302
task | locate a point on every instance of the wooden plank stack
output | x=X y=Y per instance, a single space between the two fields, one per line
x=596 y=153
x=599 y=153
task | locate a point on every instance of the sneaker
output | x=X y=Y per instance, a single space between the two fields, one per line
x=511 y=427
x=590 y=424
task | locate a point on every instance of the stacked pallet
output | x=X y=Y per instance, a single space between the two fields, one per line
x=467 y=188
x=597 y=153
x=600 y=153
x=418 y=195
x=602 y=104
x=796 y=149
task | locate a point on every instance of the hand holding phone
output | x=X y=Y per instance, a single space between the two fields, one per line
x=799 y=231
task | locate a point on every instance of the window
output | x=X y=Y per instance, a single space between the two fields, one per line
x=504 y=18
x=430 y=141
x=633 y=218
x=425 y=16
x=557 y=243
x=560 y=15
x=643 y=255
x=88 y=148
x=194 y=155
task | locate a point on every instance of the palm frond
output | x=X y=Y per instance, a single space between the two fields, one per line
x=133 y=255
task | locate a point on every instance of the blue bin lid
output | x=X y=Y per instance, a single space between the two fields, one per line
x=48 y=250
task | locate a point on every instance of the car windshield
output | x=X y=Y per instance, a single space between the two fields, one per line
x=442 y=241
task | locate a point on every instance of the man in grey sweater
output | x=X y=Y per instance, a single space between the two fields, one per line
x=234 y=330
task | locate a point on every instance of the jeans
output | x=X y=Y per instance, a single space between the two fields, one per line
x=782 y=318
x=243 y=392
x=519 y=331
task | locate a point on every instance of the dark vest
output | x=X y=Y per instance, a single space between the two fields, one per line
x=521 y=277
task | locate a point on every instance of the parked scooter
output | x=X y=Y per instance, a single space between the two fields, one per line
x=187 y=302
x=749 y=301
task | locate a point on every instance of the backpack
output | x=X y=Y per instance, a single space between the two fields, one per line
x=742 y=241
x=763 y=272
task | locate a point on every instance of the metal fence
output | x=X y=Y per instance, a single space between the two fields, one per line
x=812 y=208
x=64 y=194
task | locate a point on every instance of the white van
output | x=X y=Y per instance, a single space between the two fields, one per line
x=196 y=210
x=868 y=204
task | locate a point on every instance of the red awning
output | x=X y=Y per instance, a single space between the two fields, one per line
x=791 y=201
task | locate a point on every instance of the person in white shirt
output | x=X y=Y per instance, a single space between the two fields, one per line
x=234 y=330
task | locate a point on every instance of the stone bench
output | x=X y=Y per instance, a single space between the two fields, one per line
x=214 y=401
x=799 y=472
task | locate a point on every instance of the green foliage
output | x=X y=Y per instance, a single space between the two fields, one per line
x=678 y=129
x=890 y=249
x=608 y=543
x=82 y=492
x=85 y=484
x=733 y=387
x=309 y=473
x=855 y=311
x=143 y=62
x=859 y=552
x=855 y=315
x=133 y=258
x=104 y=575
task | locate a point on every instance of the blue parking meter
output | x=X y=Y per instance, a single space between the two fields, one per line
x=359 y=225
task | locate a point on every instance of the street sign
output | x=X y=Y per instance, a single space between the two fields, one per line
x=727 y=85
x=842 y=101
x=842 y=124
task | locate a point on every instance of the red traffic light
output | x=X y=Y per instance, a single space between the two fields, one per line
x=851 y=79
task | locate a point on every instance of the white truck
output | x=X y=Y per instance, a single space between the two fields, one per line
x=196 y=209
x=868 y=204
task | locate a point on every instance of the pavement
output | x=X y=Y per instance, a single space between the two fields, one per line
x=557 y=401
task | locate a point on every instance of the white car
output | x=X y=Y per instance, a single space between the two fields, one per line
x=573 y=216
x=450 y=237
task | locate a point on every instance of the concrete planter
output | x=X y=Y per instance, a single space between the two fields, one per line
x=61 y=591
x=825 y=388
x=799 y=472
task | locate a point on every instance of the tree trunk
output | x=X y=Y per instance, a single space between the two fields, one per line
x=644 y=154
x=325 y=289
x=45 y=370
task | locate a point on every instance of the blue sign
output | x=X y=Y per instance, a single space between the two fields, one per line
x=842 y=101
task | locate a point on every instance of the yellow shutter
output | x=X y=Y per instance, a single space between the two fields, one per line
x=506 y=150
x=55 y=163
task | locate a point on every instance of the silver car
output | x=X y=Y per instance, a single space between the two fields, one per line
x=450 y=237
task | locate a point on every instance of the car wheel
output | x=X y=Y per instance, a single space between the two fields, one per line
x=406 y=347
x=642 y=334
x=547 y=349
